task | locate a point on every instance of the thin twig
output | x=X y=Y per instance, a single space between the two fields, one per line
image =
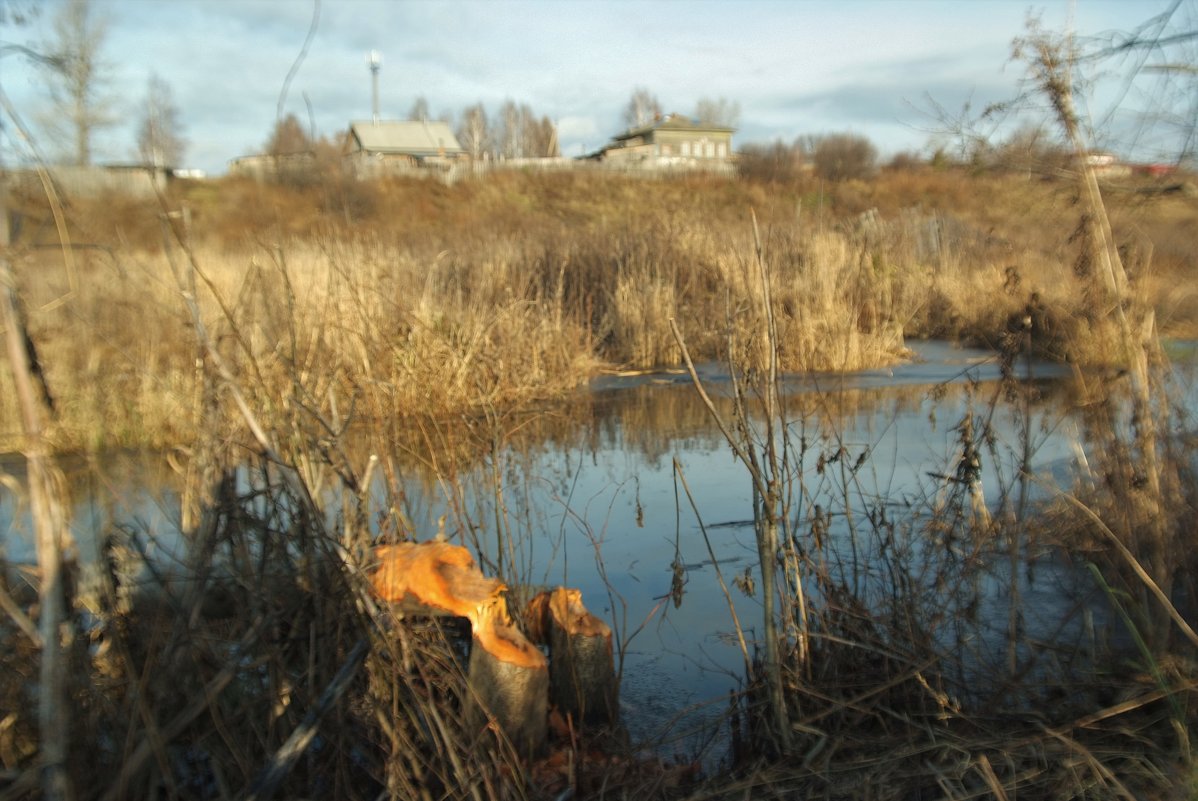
x=1135 y=565
x=289 y=753
x=715 y=562
x=136 y=761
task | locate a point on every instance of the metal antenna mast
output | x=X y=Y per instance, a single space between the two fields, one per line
x=375 y=61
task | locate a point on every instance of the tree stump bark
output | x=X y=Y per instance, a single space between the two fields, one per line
x=509 y=677
x=582 y=676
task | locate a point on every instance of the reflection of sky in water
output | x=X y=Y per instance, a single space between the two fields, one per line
x=610 y=490
x=124 y=488
x=618 y=495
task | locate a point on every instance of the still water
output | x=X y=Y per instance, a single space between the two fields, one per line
x=636 y=495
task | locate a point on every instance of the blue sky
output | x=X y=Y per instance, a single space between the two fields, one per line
x=795 y=67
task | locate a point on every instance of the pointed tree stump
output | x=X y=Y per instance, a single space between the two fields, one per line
x=508 y=675
x=582 y=675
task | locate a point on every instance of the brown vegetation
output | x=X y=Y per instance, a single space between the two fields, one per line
x=876 y=678
x=264 y=328
x=429 y=297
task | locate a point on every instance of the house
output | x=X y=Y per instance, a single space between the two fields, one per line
x=292 y=167
x=129 y=180
x=397 y=146
x=1106 y=165
x=673 y=141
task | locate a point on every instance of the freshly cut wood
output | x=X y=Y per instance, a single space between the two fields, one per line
x=582 y=676
x=434 y=574
x=508 y=675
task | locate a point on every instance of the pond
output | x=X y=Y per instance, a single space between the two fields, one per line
x=637 y=499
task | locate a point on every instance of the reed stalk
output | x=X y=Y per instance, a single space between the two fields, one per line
x=1123 y=318
x=46 y=491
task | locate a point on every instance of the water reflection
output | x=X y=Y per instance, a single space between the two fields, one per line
x=590 y=495
x=617 y=494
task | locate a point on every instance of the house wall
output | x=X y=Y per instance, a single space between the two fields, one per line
x=692 y=144
x=269 y=168
x=670 y=149
x=141 y=182
x=377 y=165
x=637 y=152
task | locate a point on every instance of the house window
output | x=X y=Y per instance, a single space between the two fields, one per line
x=721 y=150
x=709 y=149
x=686 y=148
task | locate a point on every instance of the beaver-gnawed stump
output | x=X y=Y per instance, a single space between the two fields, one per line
x=510 y=678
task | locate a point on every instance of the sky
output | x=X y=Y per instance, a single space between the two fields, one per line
x=875 y=68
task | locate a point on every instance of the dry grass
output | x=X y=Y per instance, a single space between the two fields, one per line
x=424 y=297
x=337 y=310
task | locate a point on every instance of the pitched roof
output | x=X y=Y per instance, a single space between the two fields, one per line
x=672 y=122
x=416 y=138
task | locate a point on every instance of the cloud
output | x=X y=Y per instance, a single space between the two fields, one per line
x=794 y=67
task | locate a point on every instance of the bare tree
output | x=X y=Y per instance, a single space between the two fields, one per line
x=538 y=137
x=545 y=138
x=642 y=109
x=841 y=157
x=510 y=145
x=18 y=12
x=720 y=111
x=776 y=162
x=419 y=111
x=287 y=137
x=1031 y=149
x=521 y=134
x=474 y=132
x=77 y=75
x=160 y=139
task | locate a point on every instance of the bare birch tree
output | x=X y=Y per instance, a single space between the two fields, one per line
x=643 y=107
x=474 y=132
x=77 y=76
x=538 y=137
x=160 y=139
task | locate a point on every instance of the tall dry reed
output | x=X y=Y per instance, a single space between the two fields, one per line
x=517 y=287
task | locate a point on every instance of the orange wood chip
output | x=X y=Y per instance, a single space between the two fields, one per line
x=436 y=574
x=494 y=632
x=444 y=577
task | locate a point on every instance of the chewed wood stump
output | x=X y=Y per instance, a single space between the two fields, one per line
x=511 y=679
